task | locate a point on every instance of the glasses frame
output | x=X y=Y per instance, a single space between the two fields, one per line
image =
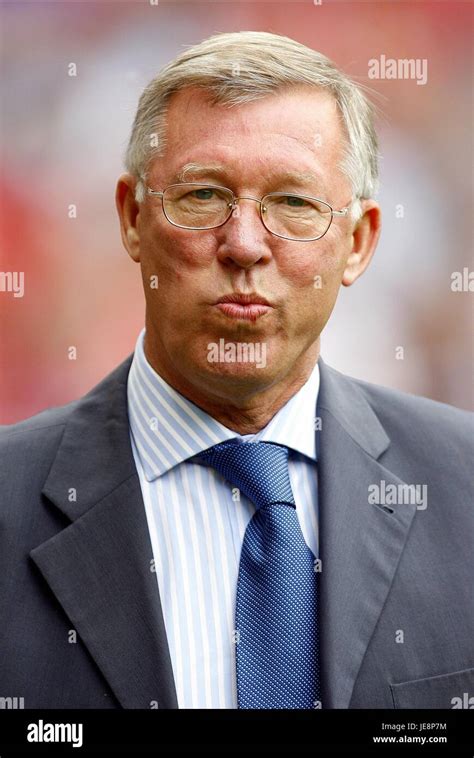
x=234 y=204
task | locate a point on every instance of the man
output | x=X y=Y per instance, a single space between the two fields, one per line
x=226 y=521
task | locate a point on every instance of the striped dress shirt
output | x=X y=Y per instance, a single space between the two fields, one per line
x=197 y=521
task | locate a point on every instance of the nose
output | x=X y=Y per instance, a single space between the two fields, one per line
x=243 y=239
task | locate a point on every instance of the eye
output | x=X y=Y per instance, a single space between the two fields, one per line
x=202 y=194
x=294 y=201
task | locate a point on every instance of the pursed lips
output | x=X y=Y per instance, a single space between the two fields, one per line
x=243 y=306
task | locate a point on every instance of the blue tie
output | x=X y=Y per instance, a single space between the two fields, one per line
x=277 y=645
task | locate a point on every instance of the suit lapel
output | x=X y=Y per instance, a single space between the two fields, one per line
x=360 y=543
x=100 y=566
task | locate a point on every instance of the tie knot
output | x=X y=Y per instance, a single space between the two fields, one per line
x=258 y=469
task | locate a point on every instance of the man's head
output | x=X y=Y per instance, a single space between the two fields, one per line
x=259 y=107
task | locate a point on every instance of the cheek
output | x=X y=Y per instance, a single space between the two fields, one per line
x=314 y=277
x=317 y=266
x=176 y=256
x=193 y=250
x=298 y=266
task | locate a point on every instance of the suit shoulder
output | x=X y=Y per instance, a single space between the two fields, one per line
x=47 y=423
x=29 y=446
x=421 y=414
x=41 y=424
x=32 y=443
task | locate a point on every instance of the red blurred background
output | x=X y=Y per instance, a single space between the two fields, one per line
x=63 y=142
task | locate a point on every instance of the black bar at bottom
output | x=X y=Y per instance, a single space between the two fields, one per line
x=223 y=732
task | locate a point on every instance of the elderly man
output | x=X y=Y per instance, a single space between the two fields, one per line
x=226 y=521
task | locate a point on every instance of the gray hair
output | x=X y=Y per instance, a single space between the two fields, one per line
x=240 y=67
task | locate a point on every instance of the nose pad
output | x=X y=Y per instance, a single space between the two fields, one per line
x=236 y=206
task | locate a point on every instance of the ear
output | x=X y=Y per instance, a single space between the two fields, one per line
x=128 y=210
x=365 y=237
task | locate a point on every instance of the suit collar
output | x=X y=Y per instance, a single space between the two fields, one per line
x=95 y=454
x=343 y=398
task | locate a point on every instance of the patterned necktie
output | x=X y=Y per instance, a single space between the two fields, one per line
x=277 y=645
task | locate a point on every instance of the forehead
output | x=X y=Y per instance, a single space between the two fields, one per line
x=297 y=129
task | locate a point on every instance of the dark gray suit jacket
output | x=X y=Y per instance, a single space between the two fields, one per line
x=396 y=602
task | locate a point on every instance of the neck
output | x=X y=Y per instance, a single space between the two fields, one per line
x=241 y=411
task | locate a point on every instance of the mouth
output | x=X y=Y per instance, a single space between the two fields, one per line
x=239 y=306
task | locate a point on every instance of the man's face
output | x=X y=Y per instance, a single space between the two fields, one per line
x=296 y=130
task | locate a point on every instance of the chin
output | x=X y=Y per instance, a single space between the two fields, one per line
x=238 y=374
x=238 y=357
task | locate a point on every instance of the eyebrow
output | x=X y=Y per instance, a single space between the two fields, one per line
x=197 y=170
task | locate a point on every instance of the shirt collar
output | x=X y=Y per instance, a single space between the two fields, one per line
x=167 y=428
